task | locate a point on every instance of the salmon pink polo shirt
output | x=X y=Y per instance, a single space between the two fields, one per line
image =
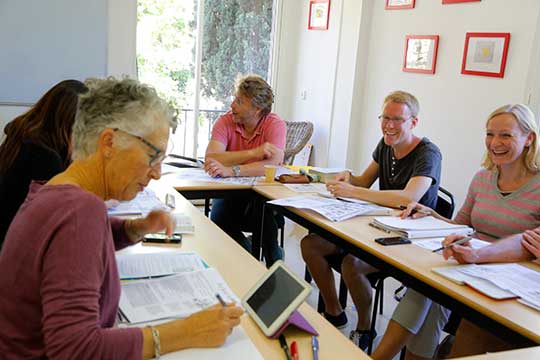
x=270 y=128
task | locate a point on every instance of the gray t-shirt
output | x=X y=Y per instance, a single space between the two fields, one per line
x=423 y=160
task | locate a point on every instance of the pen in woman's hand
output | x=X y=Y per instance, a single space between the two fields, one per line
x=458 y=242
x=221 y=301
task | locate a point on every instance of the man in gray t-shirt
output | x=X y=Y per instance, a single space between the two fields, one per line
x=408 y=169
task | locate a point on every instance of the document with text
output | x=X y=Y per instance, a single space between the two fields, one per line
x=332 y=209
x=175 y=296
x=144 y=202
x=134 y=266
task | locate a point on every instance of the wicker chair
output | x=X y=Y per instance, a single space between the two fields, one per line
x=298 y=134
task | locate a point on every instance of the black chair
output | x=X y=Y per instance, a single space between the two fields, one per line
x=445 y=207
x=376 y=280
x=181 y=161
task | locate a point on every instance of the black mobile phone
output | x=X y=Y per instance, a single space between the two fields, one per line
x=394 y=240
x=162 y=238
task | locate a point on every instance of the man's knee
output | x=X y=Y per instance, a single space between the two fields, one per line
x=352 y=266
x=313 y=246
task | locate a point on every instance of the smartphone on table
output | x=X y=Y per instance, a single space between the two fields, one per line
x=394 y=240
x=162 y=238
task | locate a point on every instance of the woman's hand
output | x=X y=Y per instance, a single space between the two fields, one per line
x=155 y=221
x=416 y=210
x=464 y=253
x=341 y=189
x=210 y=327
x=531 y=241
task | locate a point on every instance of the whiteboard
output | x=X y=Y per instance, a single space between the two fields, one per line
x=43 y=42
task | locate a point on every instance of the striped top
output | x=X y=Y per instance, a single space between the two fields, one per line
x=493 y=215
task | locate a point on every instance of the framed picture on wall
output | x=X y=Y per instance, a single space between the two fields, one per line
x=485 y=54
x=420 y=53
x=319 y=14
x=399 y=4
x=457 y=1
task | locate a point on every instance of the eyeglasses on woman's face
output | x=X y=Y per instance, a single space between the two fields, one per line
x=156 y=158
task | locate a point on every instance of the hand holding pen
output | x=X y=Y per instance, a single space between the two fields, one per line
x=459 y=247
x=415 y=210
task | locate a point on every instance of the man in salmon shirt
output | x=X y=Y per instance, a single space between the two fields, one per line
x=245 y=139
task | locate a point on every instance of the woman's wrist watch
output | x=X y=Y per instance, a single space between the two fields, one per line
x=236 y=170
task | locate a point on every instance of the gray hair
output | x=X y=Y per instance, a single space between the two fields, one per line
x=403 y=97
x=257 y=89
x=111 y=103
x=527 y=123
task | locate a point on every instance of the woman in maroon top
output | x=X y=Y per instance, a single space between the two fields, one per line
x=58 y=276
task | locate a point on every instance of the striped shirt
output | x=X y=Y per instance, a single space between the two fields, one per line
x=493 y=215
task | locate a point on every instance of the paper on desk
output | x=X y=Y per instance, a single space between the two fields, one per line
x=435 y=243
x=332 y=209
x=184 y=223
x=134 y=266
x=516 y=278
x=200 y=175
x=144 y=202
x=307 y=188
x=175 y=296
x=237 y=346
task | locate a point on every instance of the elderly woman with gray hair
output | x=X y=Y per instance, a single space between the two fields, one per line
x=58 y=275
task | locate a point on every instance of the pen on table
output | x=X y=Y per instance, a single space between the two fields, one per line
x=221 y=301
x=379 y=227
x=284 y=346
x=414 y=211
x=294 y=351
x=315 y=347
x=459 y=242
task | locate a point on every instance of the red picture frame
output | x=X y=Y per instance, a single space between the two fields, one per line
x=458 y=1
x=407 y=4
x=319 y=14
x=485 y=54
x=420 y=55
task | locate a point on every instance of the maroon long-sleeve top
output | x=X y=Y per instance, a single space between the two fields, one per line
x=59 y=285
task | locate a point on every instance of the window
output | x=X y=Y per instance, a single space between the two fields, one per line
x=195 y=70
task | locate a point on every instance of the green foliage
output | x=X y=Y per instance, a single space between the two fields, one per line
x=237 y=37
x=165 y=45
x=236 y=40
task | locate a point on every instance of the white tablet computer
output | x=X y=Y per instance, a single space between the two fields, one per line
x=275 y=297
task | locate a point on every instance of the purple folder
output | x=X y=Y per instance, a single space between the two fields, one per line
x=297 y=320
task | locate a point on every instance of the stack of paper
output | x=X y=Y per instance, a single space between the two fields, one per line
x=332 y=209
x=499 y=281
x=325 y=174
x=192 y=289
x=425 y=227
x=184 y=224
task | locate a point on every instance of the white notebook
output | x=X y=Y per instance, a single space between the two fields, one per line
x=425 y=227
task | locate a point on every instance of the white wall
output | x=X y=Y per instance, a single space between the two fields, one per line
x=453 y=106
x=121 y=49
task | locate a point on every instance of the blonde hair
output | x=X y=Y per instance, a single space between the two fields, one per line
x=403 y=97
x=527 y=123
x=257 y=89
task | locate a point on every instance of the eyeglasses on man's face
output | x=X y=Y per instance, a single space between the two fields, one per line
x=395 y=120
x=156 y=158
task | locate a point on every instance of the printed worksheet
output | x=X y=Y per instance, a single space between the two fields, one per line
x=133 y=266
x=175 y=296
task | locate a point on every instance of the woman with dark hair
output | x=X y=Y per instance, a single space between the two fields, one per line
x=37 y=146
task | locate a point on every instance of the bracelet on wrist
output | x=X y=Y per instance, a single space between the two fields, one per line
x=157 y=343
